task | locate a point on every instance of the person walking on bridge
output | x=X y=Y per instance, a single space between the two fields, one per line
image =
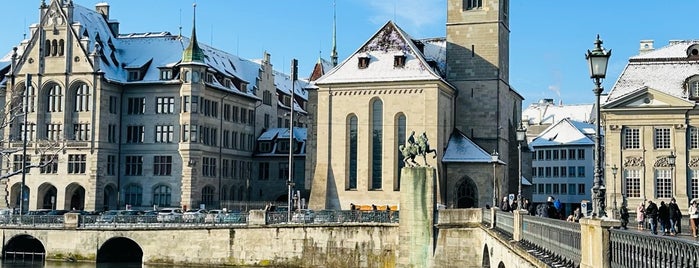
x=693 y=217
x=652 y=214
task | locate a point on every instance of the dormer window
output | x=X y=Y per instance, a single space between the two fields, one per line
x=227 y=83
x=363 y=62
x=134 y=75
x=694 y=89
x=693 y=51
x=209 y=78
x=399 y=60
x=165 y=74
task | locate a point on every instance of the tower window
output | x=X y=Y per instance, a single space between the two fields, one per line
x=399 y=60
x=363 y=62
x=473 y=4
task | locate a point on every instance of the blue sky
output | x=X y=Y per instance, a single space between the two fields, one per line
x=548 y=41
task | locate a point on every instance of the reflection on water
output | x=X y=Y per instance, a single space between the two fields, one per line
x=11 y=264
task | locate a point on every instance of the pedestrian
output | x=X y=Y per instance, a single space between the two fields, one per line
x=577 y=214
x=624 y=213
x=675 y=217
x=693 y=217
x=552 y=209
x=505 y=205
x=526 y=204
x=641 y=215
x=652 y=215
x=352 y=206
x=664 y=218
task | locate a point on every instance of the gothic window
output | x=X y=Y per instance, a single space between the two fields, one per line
x=352 y=141
x=47 y=48
x=376 y=144
x=133 y=195
x=633 y=182
x=61 y=47
x=663 y=183
x=54 y=48
x=55 y=97
x=161 y=196
x=400 y=138
x=82 y=98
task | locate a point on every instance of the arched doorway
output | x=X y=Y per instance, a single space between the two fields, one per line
x=75 y=195
x=486 y=257
x=466 y=193
x=15 y=197
x=24 y=248
x=121 y=250
x=110 y=198
x=47 y=196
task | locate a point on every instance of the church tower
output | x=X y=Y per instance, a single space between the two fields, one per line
x=487 y=108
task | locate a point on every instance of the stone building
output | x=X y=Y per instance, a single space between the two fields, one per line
x=455 y=90
x=142 y=119
x=650 y=116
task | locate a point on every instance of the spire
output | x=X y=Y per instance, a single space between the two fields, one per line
x=333 y=54
x=193 y=52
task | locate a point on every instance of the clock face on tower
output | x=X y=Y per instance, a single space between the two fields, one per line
x=195 y=77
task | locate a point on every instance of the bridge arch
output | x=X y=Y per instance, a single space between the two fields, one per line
x=120 y=250
x=47 y=196
x=501 y=265
x=75 y=196
x=24 y=247
x=486 y=257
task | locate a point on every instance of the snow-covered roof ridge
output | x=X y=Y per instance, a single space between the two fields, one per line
x=461 y=149
x=381 y=49
x=566 y=132
x=676 y=49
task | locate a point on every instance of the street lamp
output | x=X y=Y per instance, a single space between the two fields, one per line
x=494 y=160
x=521 y=135
x=615 y=169
x=598 y=59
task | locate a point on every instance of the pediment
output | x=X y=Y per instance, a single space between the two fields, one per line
x=648 y=98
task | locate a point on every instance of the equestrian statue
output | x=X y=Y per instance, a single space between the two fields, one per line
x=413 y=148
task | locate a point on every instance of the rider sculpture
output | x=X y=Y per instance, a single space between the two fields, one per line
x=413 y=148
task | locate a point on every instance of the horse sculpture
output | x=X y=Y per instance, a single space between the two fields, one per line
x=413 y=148
x=424 y=148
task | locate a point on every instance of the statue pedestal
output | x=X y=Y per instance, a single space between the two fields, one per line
x=417 y=209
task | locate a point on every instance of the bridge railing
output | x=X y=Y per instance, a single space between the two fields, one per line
x=487 y=217
x=634 y=249
x=504 y=222
x=557 y=238
x=333 y=216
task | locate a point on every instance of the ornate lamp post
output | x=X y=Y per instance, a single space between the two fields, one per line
x=494 y=159
x=597 y=60
x=671 y=162
x=615 y=169
x=521 y=135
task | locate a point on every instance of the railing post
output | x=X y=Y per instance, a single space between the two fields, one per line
x=493 y=217
x=594 y=242
x=517 y=224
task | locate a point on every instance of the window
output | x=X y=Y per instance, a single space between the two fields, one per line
x=82 y=98
x=555 y=172
x=633 y=182
x=136 y=106
x=555 y=188
x=264 y=171
x=632 y=138
x=548 y=172
x=134 y=75
x=693 y=138
x=571 y=154
x=473 y=4
x=571 y=172
x=226 y=143
x=17 y=162
x=227 y=112
x=267 y=97
x=548 y=188
x=133 y=195
x=112 y=133
x=581 y=189
x=534 y=172
x=134 y=165
x=161 y=196
x=694 y=89
x=376 y=144
x=352 y=141
x=581 y=154
x=581 y=172
x=76 y=163
x=555 y=154
x=49 y=164
x=283 y=170
x=113 y=105
x=81 y=132
x=30 y=131
x=662 y=138
x=548 y=154
x=663 y=183
x=363 y=61
x=111 y=165
x=266 y=122
x=207 y=196
x=401 y=131
x=208 y=167
x=571 y=188
x=235 y=114
x=164 y=134
x=162 y=165
x=564 y=156
x=541 y=188
x=564 y=172
x=134 y=134
x=564 y=189
x=55 y=99
x=165 y=74
x=541 y=172
x=53 y=132
x=265 y=147
x=541 y=154
x=164 y=105
x=225 y=165
x=694 y=185
x=399 y=60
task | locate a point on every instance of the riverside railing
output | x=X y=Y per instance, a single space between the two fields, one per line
x=504 y=222
x=487 y=217
x=558 y=239
x=634 y=249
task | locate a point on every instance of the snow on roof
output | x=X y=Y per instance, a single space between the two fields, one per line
x=548 y=113
x=381 y=50
x=665 y=69
x=436 y=50
x=566 y=132
x=269 y=135
x=283 y=83
x=461 y=149
x=283 y=133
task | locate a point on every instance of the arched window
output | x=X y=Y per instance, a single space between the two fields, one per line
x=61 y=47
x=352 y=141
x=55 y=97
x=376 y=144
x=161 y=196
x=54 y=47
x=82 y=98
x=400 y=139
x=133 y=195
x=207 y=196
x=47 y=48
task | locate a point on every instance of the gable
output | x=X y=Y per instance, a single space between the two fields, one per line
x=648 y=98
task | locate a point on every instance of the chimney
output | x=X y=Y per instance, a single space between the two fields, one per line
x=646 y=46
x=103 y=8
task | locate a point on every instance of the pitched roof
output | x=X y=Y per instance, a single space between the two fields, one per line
x=390 y=41
x=566 y=132
x=461 y=149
